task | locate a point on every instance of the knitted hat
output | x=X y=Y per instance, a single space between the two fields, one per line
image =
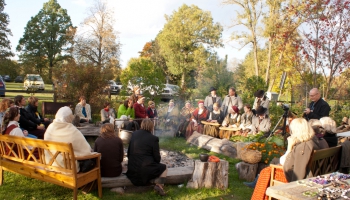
x=235 y=108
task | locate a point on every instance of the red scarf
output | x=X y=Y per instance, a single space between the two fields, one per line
x=106 y=109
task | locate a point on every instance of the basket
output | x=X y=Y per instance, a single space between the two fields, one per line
x=251 y=156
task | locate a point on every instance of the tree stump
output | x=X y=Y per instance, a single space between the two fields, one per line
x=247 y=171
x=209 y=175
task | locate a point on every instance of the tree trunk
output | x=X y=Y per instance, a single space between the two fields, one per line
x=247 y=171
x=256 y=57
x=267 y=77
x=209 y=175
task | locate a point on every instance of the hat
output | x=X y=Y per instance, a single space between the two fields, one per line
x=212 y=89
x=235 y=108
x=259 y=93
x=201 y=101
x=261 y=110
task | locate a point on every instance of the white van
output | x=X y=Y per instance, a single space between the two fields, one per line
x=33 y=81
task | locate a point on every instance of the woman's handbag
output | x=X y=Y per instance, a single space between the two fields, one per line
x=86 y=165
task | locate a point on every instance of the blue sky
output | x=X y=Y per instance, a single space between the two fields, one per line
x=137 y=21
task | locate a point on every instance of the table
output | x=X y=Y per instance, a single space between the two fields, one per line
x=89 y=129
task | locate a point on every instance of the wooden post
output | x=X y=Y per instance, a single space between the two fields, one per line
x=247 y=171
x=209 y=175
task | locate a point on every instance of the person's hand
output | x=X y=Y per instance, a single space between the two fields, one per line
x=25 y=132
x=46 y=119
x=41 y=127
x=307 y=111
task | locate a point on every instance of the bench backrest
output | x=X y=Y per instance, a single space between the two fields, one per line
x=51 y=108
x=325 y=161
x=31 y=152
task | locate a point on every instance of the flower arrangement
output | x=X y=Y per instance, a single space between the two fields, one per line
x=269 y=150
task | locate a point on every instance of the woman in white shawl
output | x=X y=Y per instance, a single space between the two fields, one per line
x=62 y=130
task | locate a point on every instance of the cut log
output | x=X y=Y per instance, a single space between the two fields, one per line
x=247 y=171
x=209 y=175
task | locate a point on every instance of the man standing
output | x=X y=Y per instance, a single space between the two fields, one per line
x=318 y=108
x=231 y=100
x=261 y=100
x=211 y=99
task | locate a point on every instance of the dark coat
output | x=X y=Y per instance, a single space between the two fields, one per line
x=319 y=109
x=112 y=154
x=150 y=114
x=295 y=167
x=32 y=112
x=144 y=158
x=140 y=111
x=27 y=121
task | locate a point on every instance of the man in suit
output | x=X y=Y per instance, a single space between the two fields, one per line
x=318 y=107
x=211 y=99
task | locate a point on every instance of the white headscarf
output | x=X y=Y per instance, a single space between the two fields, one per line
x=64 y=114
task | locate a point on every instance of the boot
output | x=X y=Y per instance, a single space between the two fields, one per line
x=159 y=189
x=252 y=184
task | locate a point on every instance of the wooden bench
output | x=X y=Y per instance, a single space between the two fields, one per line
x=321 y=162
x=26 y=156
x=51 y=108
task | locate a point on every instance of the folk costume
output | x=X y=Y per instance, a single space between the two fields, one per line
x=198 y=115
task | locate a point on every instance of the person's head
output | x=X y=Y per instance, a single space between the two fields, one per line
x=188 y=104
x=126 y=103
x=301 y=130
x=141 y=99
x=171 y=103
x=259 y=94
x=107 y=131
x=64 y=114
x=147 y=125
x=247 y=108
x=314 y=94
x=201 y=104
x=212 y=91
x=329 y=124
x=5 y=104
x=12 y=114
x=20 y=100
x=316 y=126
x=232 y=91
x=234 y=110
x=106 y=104
x=261 y=111
x=33 y=101
x=151 y=104
x=137 y=90
x=216 y=106
x=82 y=100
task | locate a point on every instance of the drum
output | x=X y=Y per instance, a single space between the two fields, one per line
x=228 y=132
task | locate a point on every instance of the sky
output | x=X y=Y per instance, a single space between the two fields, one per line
x=136 y=21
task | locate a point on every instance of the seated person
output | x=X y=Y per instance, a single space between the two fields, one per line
x=112 y=151
x=11 y=126
x=319 y=132
x=4 y=105
x=126 y=109
x=246 y=120
x=32 y=109
x=169 y=117
x=216 y=115
x=144 y=158
x=233 y=119
x=199 y=114
x=106 y=113
x=83 y=110
x=140 y=110
x=184 y=118
x=330 y=128
x=151 y=110
x=62 y=130
x=27 y=121
x=261 y=100
x=260 y=122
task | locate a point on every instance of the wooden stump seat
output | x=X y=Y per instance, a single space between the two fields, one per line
x=26 y=156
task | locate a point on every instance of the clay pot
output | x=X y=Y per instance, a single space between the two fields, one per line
x=203 y=157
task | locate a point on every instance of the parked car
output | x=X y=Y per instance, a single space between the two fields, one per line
x=7 y=78
x=112 y=87
x=169 y=92
x=34 y=81
x=19 y=79
x=2 y=87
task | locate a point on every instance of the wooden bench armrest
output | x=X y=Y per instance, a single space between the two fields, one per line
x=95 y=155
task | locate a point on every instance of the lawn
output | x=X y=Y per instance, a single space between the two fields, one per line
x=20 y=187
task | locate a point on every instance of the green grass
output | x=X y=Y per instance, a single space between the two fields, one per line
x=20 y=187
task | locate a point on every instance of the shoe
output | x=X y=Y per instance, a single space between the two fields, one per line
x=159 y=190
x=252 y=184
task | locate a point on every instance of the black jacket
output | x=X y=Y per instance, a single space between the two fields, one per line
x=32 y=112
x=144 y=158
x=26 y=121
x=319 y=109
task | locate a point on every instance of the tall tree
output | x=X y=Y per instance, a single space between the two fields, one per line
x=47 y=36
x=5 y=46
x=186 y=39
x=97 y=42
x=249 y=17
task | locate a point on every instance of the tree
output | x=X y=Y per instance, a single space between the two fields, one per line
x=97 y=42
x=186 y=39
x=325 y=45
x=5 y=46
x=249 y=17
x=46 y=37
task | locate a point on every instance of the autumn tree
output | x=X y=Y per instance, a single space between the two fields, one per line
x=187 y=37
x=5 y=45
x=47 y=37
x=249 y=17
x=325 y=44
x=96 y=41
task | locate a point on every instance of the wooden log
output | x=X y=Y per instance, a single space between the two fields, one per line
x=176 y=175
x=247 y=171
x=209 y=175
